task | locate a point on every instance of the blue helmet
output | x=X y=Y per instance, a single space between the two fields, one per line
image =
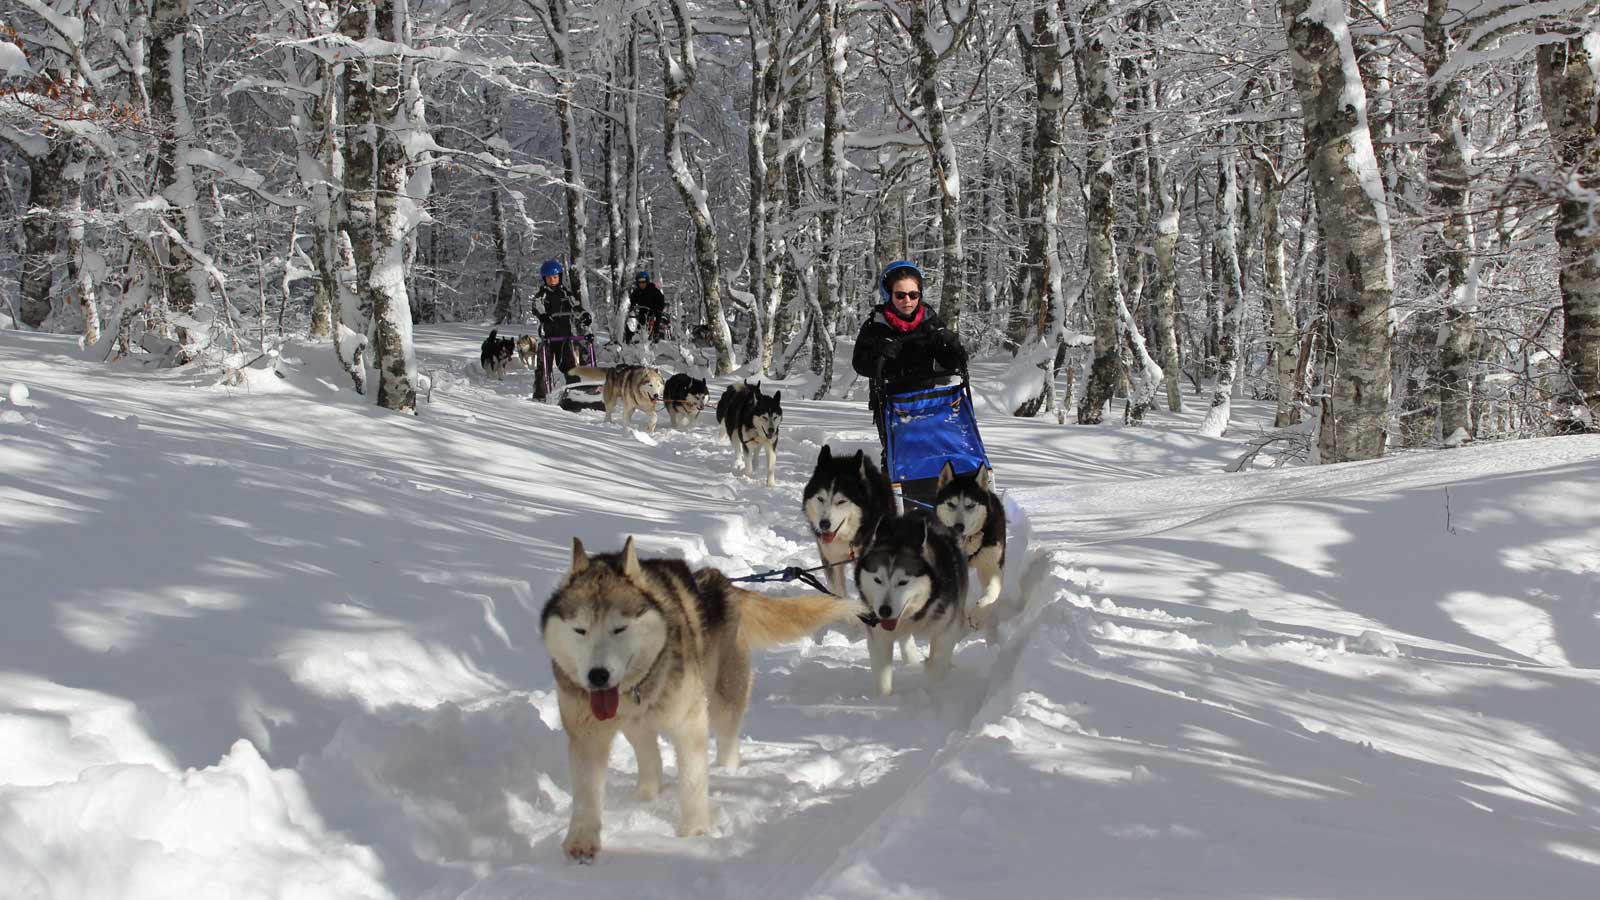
x=641 y=276
x=550 y=267
x=900 y=268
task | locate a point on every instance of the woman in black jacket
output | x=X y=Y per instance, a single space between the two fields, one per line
x=904 y=345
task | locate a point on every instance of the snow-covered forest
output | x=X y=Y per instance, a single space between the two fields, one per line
x=1280 y=320
x=1122 y=194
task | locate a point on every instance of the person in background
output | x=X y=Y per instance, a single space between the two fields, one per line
x=648 y=307
x=561 y=315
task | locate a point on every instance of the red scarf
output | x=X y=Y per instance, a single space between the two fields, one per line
x=904 y=326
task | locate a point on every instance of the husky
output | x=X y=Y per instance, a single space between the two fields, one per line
x=751 y=420
x=646 y=647
x=630 y=388
x=843 y=502
x=528 y=350
x=686 y=399
x=912 y=580
x=496 y=354
x=968 y=506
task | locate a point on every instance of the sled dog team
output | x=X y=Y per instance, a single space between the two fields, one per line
x=648 y=646
x=750 y=418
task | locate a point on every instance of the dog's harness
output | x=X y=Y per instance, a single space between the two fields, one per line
x=795 y=573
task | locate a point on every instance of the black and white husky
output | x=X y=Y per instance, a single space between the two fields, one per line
x=843 y=502
x=751 y=420
x=496 y=354
x=968 y=506
x=913 y=581
x=685 y=399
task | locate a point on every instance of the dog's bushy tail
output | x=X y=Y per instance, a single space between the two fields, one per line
x=766 y=621
x=589 y=373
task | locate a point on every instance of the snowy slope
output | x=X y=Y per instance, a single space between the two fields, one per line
x=270 y=640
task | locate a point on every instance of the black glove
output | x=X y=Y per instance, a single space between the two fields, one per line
x=586 y=319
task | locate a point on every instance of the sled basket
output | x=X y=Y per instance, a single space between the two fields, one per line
x=928 y=428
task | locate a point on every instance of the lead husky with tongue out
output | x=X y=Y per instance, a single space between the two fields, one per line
x=913 y=581
x=844 y=501
x=647 y=647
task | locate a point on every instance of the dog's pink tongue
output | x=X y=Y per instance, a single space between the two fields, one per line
x=827 y=536
x=888 y=624
x=604 y=703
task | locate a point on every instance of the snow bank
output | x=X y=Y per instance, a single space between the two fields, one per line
x=141 y=831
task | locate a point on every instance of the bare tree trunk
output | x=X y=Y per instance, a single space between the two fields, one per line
x=1285 y=328
x=83 y=287
x=1569 y=93
x=1164 y=242
x=678 y=75
x=1215 y=423
x=1353 y=212
x=188 y=284
x=358 y=214
x=506 y=288
x=766 y=104
x=1041 y=262
x=321 y=164
x=946 y=170
x=1448 y=250
x=555 y=23
x=831 y=49
x=1095 y=75
x=395 y=215
x=39 y=232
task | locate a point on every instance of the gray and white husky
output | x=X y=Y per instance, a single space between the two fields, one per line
x=968 y=506
x=843 y=502
x=751 y=420
x=647 y=646
x=628 y=388
x=913 y=581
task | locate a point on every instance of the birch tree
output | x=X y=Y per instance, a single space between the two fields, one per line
x=1097 y=95
x=183 y=247
x=831 y=47
x=1569 y=91
x=1353 y=215
x=678 y=70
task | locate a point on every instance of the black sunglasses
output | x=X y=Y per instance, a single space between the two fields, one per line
x=908 y=295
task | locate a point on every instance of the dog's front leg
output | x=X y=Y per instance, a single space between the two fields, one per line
x=942 y=652
x=587 y=752
x=910 y=653
x=772 y=465
x=981 y=613
x=651 y=427
x=880 y=646
x=647 y=750
x=691 y=742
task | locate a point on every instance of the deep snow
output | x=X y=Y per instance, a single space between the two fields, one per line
x=269 y=640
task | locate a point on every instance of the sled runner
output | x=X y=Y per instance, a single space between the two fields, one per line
x=923 y=430
x=550 y=351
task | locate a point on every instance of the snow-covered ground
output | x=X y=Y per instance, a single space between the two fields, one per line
x=266 y=641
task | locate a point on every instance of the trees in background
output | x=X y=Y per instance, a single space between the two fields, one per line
x=1342 y=209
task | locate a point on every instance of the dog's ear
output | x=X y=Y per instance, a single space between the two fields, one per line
x=580 y=559
x=861 y=462
x=826 y=456
x=946 y=474
x=630 y=559
x=986 y=478
x=777 y=397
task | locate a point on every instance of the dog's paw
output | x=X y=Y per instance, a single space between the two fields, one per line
x=582 y=844
x=693 y=827
x=647 y=791
x=729 y=761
